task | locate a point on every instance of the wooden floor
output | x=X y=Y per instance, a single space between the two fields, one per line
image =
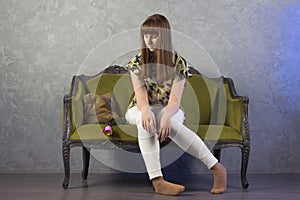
x=116 y=186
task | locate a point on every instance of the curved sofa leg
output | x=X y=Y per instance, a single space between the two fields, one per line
x=66 y=157
x=245 y=159
x=86 y=163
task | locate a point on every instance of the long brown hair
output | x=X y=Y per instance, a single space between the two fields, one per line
x=159 y=25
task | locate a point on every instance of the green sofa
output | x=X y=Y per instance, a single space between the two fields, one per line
x=212 y=109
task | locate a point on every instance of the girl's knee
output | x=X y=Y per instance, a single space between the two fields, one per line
x=133 y=116
x=178 y=117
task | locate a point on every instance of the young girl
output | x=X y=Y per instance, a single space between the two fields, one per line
x=158 y=76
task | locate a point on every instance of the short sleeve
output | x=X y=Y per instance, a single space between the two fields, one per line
x=134 y=64
x=181 y=68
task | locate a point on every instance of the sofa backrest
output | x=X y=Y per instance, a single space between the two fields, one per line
x=197 y=101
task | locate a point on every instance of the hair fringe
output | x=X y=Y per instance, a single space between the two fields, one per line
x=157 y=24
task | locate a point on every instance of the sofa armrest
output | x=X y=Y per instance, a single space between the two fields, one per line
x=73 y=107
x=237 y=110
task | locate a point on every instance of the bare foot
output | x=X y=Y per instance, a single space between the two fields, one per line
x=220 y=179
x=164 y=187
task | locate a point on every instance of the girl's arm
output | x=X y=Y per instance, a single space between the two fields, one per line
x=171 y=109
x=148 y=118
x=175 y=98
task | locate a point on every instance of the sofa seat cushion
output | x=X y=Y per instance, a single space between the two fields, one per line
x=95 y=132
x=216 y=133
x=206 y=132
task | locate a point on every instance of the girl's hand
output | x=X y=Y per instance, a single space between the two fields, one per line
x=165 y=128
x=148 y=121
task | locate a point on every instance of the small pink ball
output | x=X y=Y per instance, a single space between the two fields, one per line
x=108 y=130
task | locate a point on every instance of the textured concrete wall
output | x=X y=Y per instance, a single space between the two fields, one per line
x=44 y=43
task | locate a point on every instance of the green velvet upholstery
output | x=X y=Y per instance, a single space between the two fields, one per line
x=234 y=110
x=124 y=132
x=77 y=107
x=198 y=101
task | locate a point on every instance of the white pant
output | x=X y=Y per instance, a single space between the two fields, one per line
x=180 y=134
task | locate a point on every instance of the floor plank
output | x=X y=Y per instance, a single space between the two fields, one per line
x=46 y=186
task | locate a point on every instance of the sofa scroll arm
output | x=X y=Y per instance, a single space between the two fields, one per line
x=245 y=108
x=67 y=107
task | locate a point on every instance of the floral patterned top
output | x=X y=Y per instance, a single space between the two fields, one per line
x=158 y=94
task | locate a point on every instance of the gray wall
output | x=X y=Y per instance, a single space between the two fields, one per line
x=44 y=43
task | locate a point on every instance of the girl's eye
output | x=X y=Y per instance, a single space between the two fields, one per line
x=150 y=36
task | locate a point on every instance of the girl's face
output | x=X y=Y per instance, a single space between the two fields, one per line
x=151 y=41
